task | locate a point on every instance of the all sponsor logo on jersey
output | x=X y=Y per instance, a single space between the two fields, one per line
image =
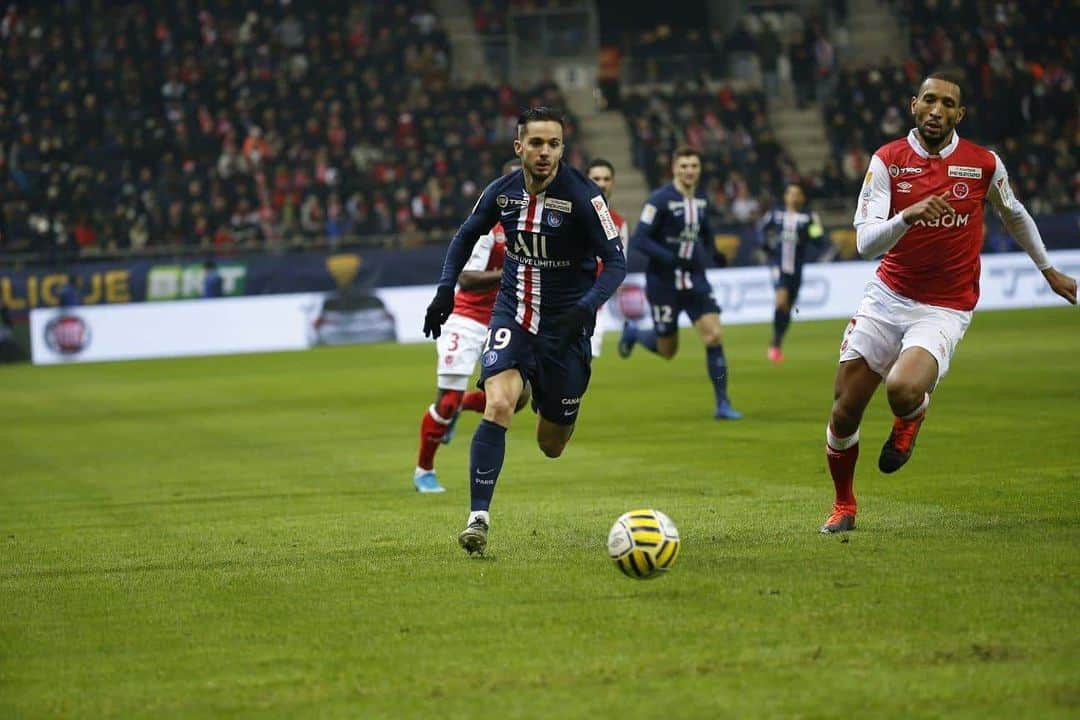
x=960 y=190
x=557 y=204
x=606 y=222
x=903 y=187
x=554 y=219
x=896 y=171
x=965 y=171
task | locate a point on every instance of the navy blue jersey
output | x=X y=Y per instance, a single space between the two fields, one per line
x=668 y=231
x=552 y=242
x=787 y=234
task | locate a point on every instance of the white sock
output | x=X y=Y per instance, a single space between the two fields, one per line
x=480 y=514
x=437 y=417
x=919 y=410
x=421 y=471
x=838 y=444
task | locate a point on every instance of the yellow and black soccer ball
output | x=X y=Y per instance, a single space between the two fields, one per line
x=643 y=543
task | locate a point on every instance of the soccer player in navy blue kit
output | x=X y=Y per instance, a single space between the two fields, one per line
x=557 y=224
x=673 y=231
x=787 y=234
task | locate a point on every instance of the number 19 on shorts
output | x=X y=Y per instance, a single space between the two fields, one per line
x=497 y=340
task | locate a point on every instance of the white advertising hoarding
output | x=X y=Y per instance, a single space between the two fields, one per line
x=298 y=321
x=172 y=329
x=829 y=290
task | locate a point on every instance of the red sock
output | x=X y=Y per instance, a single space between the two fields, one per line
x=842 y=469
x=474 y=400
x=431 y=432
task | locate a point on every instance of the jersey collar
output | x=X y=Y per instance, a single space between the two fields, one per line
x=913 y=141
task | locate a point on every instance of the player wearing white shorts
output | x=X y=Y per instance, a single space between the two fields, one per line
x=459 y=347
x=922 y=206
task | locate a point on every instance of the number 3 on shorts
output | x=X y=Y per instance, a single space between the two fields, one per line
x=502 y=339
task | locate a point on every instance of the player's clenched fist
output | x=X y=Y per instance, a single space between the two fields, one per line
x=437 y=312
x=928 y=209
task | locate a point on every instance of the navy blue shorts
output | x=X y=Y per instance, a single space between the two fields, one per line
x=667 y=302
x=791 y=281
x=558 y=379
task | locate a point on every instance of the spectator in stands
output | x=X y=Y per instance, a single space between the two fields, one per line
x=213 y=285
x=70 y=294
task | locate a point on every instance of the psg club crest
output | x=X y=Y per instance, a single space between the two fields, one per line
x=489 y=358
x=67 y=335
x=554 y=219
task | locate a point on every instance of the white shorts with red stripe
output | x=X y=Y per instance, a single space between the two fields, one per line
x=459 y=347
x=886 y=324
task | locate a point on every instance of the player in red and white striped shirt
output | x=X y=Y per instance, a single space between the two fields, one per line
x=922 y=207
x=602 y=172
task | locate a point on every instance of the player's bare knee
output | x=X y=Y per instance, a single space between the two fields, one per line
x=499 y=410
x=667 y=352
x=844 y=419
x=904 y=394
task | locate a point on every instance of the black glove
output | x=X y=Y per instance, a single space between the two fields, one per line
x=437 y=312
x=692 y=263
x=574 y=323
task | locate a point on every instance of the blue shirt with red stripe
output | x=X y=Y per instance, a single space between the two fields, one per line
x=553 y=240
x=670 y=227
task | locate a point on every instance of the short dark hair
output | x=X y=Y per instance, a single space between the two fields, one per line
x=600 y=162
x=686 y=151
x=949 y=75
x=541 y=113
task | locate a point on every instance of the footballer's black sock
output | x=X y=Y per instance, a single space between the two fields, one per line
x=485 y=462
x=718 y=372
x=780 y=321
x=647 y=339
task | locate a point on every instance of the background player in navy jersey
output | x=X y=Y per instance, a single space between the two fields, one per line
x=787 y=234
x=673 y=232
x=557 y=225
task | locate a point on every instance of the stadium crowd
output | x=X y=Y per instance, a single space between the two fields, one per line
x=1021 y=94
x=124 y=125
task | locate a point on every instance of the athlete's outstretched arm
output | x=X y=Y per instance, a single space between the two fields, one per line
x=605 y=238
x=1022 y=227
x=483 y=217
x=646 y=234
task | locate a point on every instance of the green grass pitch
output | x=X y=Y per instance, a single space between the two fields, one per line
x=239 y=537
